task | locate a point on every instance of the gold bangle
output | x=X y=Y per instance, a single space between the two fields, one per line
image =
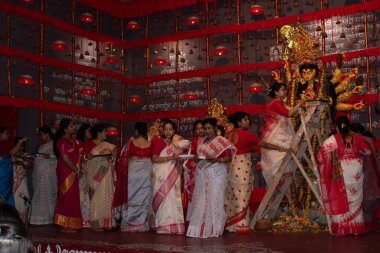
x=222 y=159
x=165 y=158
x=280 y=149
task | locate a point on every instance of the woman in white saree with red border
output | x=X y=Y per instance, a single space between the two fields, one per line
x=167 y=210
x=206 y=214
x=340 y=161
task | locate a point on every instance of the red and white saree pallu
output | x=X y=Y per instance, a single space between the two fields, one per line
x=206 y=214
x=167 y=210
x=277 y=130
x=341 y=182
x=189 y=171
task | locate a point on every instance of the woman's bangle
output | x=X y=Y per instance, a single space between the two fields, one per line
x=166 y=158
x=222 y=160
x=280 y=149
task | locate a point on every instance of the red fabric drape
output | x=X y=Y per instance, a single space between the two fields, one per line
x=48 y=61
x=101 y=114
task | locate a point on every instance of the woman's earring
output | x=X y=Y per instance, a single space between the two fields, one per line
x=303 y=81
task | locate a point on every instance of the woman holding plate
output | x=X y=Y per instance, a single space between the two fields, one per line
x=167 y=211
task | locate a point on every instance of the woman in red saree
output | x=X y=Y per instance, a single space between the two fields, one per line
x=340 y=161
x=67 y=212
x=240 y=176
x=98 y=157
x=167 y=210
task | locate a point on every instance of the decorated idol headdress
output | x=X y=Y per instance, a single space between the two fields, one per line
x=299 y=48
x=218 y=111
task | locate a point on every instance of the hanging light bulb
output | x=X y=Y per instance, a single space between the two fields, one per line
x=87 y=90
x=190 y=95
x=193 y=20
x=256 y=9
x=135 y=99
x=87 y=17
x=111 y=59
x=133 y=25
x=160 y=61
x=255 y=88
x=220 y=51
x=58 y=45
x=25 y=80
x=112 y=131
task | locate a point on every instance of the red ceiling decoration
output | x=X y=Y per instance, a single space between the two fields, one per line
x=190 y=95
x=220 y=51
x=133 y=25
x=160 y=61
x=112 y=131
x=135 y=99
x=193 y=21
x=87 y=17
x=111 y=59
x=58 y=45
x=256 y=88
x=256 y=9
x=25 y=80
x=88 y=91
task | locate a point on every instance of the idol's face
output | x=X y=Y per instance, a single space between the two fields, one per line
x=308 y=74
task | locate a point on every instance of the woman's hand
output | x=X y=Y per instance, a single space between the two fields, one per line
x=358 y=106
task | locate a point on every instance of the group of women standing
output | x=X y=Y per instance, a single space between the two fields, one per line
x=95 y=161
x=144 y=189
